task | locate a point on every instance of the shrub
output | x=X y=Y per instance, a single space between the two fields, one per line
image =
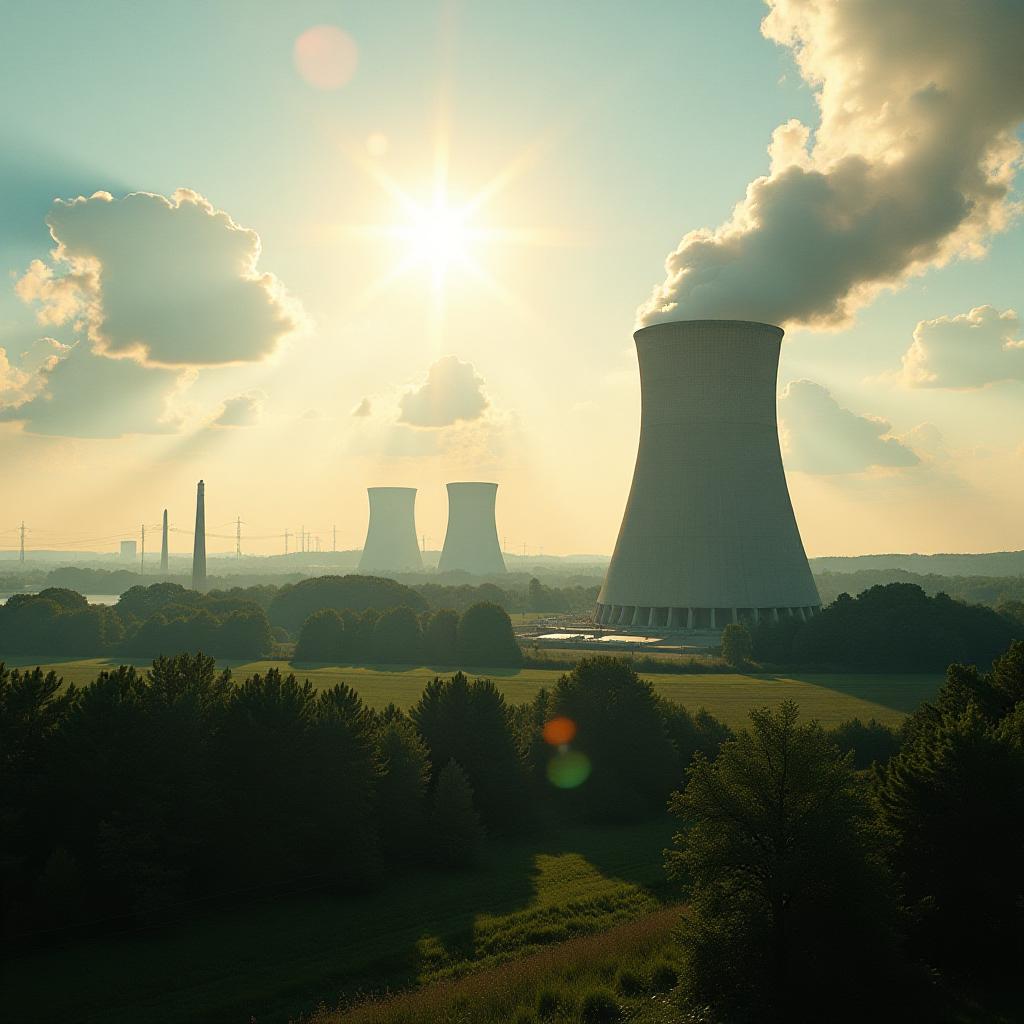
x=629 y=983
x=485 y=637
x=737 y=644
x=664 y=977
x=548 y=1003
x=599 y=1008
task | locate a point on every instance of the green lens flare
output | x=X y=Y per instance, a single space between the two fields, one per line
x=568 y=769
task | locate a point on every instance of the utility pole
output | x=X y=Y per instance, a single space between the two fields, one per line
x=287 y=534
x=21 y=556
x=423 y=543
x=334 y=539
x=238 y=537
x=142 y=554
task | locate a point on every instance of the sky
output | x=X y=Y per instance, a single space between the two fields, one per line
x=313 y=247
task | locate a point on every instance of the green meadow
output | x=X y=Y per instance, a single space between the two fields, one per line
x=271 y=961
x=831 y=698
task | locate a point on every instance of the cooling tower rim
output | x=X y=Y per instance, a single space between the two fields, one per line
x=471 y=483
x=402 y=490
x=709 y=323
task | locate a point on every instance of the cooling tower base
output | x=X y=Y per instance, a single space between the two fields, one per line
x=695 y=618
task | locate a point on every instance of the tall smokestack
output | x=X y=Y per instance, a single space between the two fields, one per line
x=163 y=547
x=471 y=540
x=391 y=544
x=199 y=546
x=708 y=536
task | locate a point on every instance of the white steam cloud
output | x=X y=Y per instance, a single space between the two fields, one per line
x=910 y=166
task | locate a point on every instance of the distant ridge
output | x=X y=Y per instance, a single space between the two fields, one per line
x=990 y=563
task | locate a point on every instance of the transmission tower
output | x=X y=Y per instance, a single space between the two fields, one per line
x=142 y=554
x=287 y=534
x=21 y=555
x=238 y=537
x=334 y=537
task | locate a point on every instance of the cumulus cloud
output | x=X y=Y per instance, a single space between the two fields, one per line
x=822 y=437
x=451 y=392
x=79 y=394
x=910 y=166
x=241 y=410
x=966 y=351
x=166 y=281
x=363 y=409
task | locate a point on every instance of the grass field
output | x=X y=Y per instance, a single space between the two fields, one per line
x=830 y=698
x=274 y=961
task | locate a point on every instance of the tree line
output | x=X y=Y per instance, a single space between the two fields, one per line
x=145 y=791
x=896 y=627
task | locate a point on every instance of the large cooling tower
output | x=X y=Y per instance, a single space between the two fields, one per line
x=391 y=544
x=471 y=540
x=708 y=536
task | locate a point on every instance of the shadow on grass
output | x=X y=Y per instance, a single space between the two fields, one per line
x=444 y=671
x=899 y=692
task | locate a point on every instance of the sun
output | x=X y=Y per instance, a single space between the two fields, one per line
x=438 y=236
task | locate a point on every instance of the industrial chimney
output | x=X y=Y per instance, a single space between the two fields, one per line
x=708 y=536
x=199 y=546
x=391 y=544
x=471 y=540
x=163 y=547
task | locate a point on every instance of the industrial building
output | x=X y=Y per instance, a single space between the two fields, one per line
x=391 y=544
x=708 y=536
x=199 y=543
x=129 y=550
x=471 y=540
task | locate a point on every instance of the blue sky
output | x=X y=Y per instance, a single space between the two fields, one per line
x=624 y=128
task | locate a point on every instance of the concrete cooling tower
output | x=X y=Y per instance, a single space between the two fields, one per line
x=708 y=536
x=391 y=544
x=471 y=540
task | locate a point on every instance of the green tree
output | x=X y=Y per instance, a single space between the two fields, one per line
x=470 y=722
x=953 y=802
x=485 y=637
x=456 y=833
x=322 y=638
x=790 y=901
x=402 y=790
x=440 y=632
x=620 y=729
x=397 y=637
x=737 y=644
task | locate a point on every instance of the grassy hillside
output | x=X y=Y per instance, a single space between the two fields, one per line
x=831 y=698
x=282 y=958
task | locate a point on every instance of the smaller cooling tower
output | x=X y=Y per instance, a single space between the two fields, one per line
x=471 y=541
x=391 y=544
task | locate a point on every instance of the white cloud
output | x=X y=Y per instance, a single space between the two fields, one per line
x=80 y=394
x=363 y=409
x=241 y=410
x=822 y=437
x=965 y=351
x=165 y=281
x=451 y=392
x=911 y=164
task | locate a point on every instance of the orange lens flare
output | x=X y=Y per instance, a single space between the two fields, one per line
x=559 y=731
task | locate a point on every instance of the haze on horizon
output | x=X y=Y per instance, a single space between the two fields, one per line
x=314 y=251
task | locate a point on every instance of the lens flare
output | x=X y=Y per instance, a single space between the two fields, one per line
x=568 y=769
x=326 y=57
x=559 y=731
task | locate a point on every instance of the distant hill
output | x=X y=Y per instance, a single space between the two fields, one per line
x=991 y=563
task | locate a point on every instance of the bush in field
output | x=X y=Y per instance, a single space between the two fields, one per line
x=599 y=1007
x=397 y=637
x=485 y=637
x=322 y=638
x=737 y=644
x=440 y=636
x=456 y=833
x=691 y=733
